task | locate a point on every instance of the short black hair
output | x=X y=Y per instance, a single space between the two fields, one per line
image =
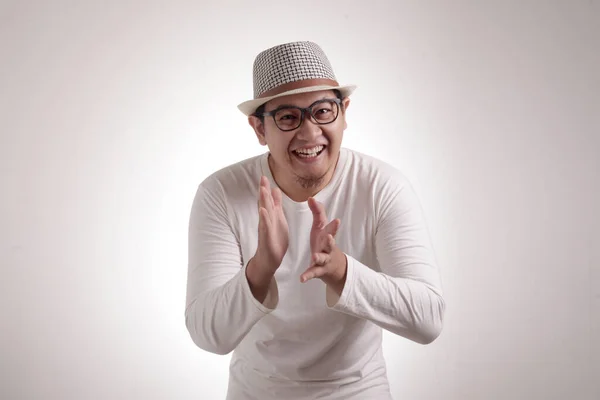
x=261 y=109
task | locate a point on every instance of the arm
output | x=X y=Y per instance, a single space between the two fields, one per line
x=220 y=306
x=405 y=298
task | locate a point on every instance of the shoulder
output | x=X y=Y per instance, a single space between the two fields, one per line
x=383 y=186
x=229 y=188
x=374 y=172
x=234 y=178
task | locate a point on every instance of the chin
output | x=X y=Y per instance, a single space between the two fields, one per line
x=314 y=171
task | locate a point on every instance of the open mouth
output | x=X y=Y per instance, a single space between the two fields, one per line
x=308 y=154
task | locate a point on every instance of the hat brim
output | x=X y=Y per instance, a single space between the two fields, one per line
x=250 y=106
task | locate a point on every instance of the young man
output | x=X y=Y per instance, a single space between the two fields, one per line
x=300 y=298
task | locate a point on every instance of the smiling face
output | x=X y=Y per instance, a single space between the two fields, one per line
x=302 y=160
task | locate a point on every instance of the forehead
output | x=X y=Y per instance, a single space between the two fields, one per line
x=300 y=99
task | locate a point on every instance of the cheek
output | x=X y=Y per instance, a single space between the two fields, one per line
x=276 y=142
x=279 y=146
x=334 y=139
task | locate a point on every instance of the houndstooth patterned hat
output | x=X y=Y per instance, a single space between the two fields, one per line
x=291 y=68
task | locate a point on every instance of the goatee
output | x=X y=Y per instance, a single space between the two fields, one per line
x=309 y=183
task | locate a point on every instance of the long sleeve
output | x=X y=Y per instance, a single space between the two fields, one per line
x=220 y=308
x=405 y=298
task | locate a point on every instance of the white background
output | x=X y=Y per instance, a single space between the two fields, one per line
x=112 y=112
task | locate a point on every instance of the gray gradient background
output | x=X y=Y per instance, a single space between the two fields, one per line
x=112 y=112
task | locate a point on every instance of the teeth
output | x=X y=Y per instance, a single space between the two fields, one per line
x=310 y=152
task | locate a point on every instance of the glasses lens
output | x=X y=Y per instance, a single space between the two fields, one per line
x=325 y=111
x=287 y=118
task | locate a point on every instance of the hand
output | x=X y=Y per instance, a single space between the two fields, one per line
x=327 y=261
x=273 y=232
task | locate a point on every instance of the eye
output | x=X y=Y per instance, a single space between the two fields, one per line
x=286 y=117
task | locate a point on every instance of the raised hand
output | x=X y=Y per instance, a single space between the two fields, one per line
x=327 y=261
x=273 y=240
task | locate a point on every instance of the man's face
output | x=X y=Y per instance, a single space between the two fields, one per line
x=287 y=161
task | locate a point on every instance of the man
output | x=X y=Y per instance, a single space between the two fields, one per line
x=301 y=299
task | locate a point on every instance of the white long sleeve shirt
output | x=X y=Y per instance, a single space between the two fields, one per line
x=304 y=341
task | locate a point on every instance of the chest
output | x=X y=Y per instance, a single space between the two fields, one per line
x=355 y=237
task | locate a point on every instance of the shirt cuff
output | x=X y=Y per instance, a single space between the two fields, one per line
x=335 y=301
x=272 y=298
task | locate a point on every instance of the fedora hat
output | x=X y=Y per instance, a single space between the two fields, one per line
x=291 y=68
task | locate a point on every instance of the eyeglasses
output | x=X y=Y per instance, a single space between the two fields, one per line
x=288 y=118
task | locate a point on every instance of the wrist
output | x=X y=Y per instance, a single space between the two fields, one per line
x=258 y=279
x=338 y=281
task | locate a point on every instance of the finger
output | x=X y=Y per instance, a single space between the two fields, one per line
x=264 y=183
x=263 y=229
x=320 y=259
x=326 y=244
x=267 y=202
x=276 y=194
x=333 y=226
x=268 y=197
x=262 y=199
x=261 y=184
x=329 y=244
x=319 y=215
x=313 y=272
x=278 y=203
x=267 y=184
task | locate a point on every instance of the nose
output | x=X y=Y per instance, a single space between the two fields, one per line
x=309 y=129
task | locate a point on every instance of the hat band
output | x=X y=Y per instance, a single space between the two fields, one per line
x=297 y=85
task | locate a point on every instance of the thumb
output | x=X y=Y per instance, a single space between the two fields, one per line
x=333 y=226
x=318 y=211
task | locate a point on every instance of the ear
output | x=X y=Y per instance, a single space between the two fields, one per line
x=259 y=129
x=345 y=104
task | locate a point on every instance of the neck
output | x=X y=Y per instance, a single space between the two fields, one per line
x=297 y=188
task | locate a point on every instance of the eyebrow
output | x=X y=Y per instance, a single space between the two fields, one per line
x=326 y=97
